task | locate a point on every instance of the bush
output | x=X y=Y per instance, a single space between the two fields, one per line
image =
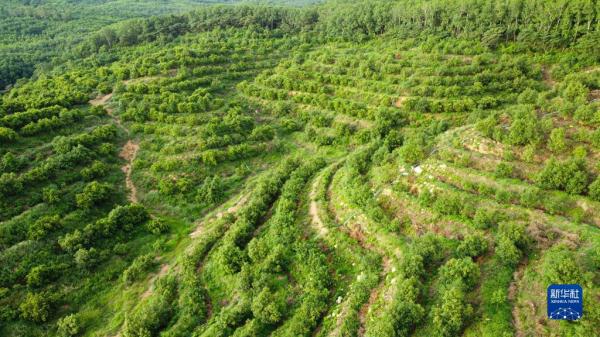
x=51 y=195
x=485 y=218
x=594 y=189
x=504 y=170
x=510 y=241
x=570 y=176
x=524 y=130
x=38 y=276
x=211 y=191
x=137 y=268
x=560 y=266
x=96 y=170
x=450 y=204
x=156 y=226
x=68 y=326
x=411 y=153
x=7 y=135
x=92 y=194
x=263 y=133
x=405 y=313
x=472 y=246
x=412 y=266
x=148 y=318
x=507 y=251
x=557 y=142
x=393 y=140
x=575 y=92
x=268 y=307
x=530 y=197
x=231 y=258
x=450 y=314
x=44 y=225
x=429 y=247
x=36 y=307
x=86 y=258
x=463 y=269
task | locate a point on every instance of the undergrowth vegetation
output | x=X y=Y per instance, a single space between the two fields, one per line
x=258 y=170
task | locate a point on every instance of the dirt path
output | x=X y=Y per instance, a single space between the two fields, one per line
x=400 y=101
x=238 y=204
x=101 y=100
x=547 y=77
x=513 y=289
x=355 y=225
x=129 y=153
x=364 y=310
x=313 y=210
x=164 y=268
x=129 y=150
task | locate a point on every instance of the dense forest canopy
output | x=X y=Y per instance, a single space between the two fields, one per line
x=281 y=168
x=34 y=32
x=54 y=25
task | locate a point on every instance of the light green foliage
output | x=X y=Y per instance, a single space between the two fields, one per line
x=524 y=129
x=356 y=168
x=594 y=190
x=7 y=135
x=138 y=268
x=268 y=307
x=472 y=246
x=560 y=267
x=69 y=326
x=556 y=141
x=504 y=170
x=36 y=307
x=93 y=194
x=450 y=315
x=570 y=176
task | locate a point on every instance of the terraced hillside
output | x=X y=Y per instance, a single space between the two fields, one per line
x=250 y=181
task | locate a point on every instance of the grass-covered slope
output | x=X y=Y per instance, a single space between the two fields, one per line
x=250 y=176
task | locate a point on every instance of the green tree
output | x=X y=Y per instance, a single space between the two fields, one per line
x=594 y=189
x=557 y=142
x=570 y=176
x=7 y=135
x=451 y=313
x=268 y=307
x=69 y=326
x=36 y=307
x=560 y=266
x=472 y=246
x=92 y=194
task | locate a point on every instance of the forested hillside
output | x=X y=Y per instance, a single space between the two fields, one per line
x=34 y=32
x=347 y=168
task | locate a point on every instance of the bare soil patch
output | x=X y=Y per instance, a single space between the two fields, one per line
x=236 y=207
x=164 y=268
x=101 y=100
x=398 y=103
x=129 y=152
x=313 y=211
x=547 y=77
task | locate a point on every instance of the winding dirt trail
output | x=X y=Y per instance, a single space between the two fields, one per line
x=129 y=150
x=164 y=268
x=547 y=77
x=129 y=153
x=355 y=225
x=364 y=310
x=313 y=210
x=238 y=204
x=512 y=296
